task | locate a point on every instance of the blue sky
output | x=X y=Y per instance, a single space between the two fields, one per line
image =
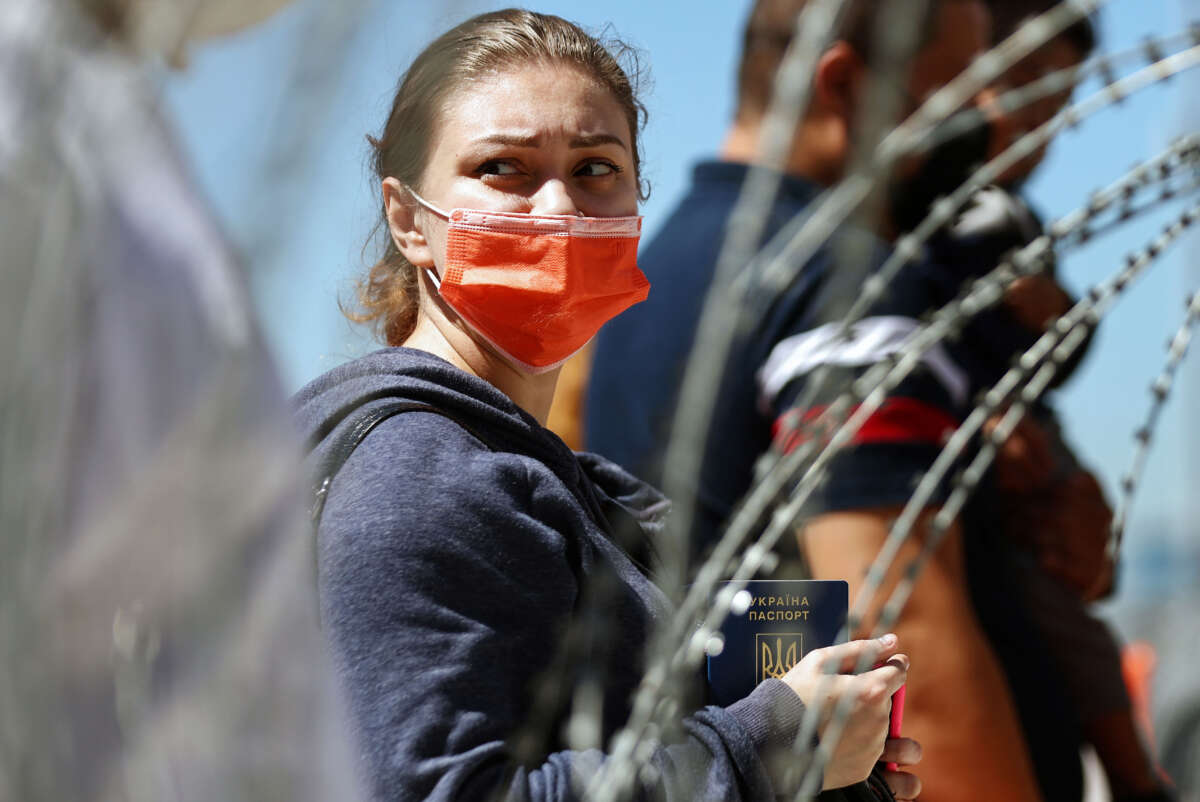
x=273 y=121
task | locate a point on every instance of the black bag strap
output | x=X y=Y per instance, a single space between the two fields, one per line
x=364 y=422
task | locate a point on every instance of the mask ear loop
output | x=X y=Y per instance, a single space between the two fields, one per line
x=439 y=212
x=437 y=282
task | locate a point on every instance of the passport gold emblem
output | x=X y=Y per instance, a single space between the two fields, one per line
x=776 y=653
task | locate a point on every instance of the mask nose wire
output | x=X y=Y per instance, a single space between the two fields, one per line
x=444 y=214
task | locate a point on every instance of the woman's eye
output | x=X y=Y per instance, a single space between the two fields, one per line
x=497 y=168
x=595 y=169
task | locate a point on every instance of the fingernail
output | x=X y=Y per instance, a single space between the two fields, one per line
x=888 y=639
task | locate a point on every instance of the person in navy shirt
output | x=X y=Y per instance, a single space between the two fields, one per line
x=987 y=689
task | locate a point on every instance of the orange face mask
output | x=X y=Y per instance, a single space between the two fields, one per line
x=538 y=287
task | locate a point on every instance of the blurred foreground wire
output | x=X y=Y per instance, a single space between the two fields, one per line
x=157 y=615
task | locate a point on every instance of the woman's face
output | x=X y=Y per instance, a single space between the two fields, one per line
x=537 y=138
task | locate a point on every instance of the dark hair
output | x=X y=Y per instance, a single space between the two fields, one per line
x=769 y=29
x=387 y=296
x=1008 y=15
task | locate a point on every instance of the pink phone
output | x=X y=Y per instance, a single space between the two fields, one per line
x=894 y=721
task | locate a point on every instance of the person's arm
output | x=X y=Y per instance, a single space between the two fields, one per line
x=1055 y=506
x=958 y=704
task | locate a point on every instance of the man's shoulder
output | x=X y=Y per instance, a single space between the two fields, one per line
x=698 y=222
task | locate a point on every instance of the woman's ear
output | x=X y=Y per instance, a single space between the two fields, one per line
x=838 y=80
x=401 y=214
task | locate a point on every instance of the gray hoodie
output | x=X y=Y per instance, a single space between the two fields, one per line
x=453 y=550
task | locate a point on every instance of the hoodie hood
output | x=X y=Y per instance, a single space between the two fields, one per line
x=329 y=405
x=406 y=374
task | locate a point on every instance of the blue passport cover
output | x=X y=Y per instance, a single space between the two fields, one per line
x=786 y=620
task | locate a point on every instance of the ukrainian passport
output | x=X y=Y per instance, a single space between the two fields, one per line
x=785 y=620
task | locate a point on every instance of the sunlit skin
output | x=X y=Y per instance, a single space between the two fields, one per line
x=538 y=138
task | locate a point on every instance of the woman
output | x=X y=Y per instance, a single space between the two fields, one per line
x=458 y=539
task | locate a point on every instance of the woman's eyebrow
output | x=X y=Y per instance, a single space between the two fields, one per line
x=511 y=140
x=592 y=140
x=533 y=140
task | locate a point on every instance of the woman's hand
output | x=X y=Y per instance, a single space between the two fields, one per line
x=862 y=741
x=902 y=752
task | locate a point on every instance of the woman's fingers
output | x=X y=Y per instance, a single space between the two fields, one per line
x=893 y=673
x=904 y=752
x=904 y=785
x=901 y=751
x=845 y=658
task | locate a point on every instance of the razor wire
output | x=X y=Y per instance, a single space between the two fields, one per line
x=703 y=628
x=898 y=36
x=788 y=103
x=719 y=322
x=133 y=497
x=913 y=136
x=1046 y=356
x=1160 y=390
x=908 y=247
x=1074 y=328
x=779 y=272
x=814 y=28
x=1149 y=51
x=895 y=372
x=983 y=293
x=1073 y=318
x=963 y=487
x=884 y=376
x=721 y=316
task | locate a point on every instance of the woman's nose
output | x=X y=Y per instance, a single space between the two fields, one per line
x=553 y=198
